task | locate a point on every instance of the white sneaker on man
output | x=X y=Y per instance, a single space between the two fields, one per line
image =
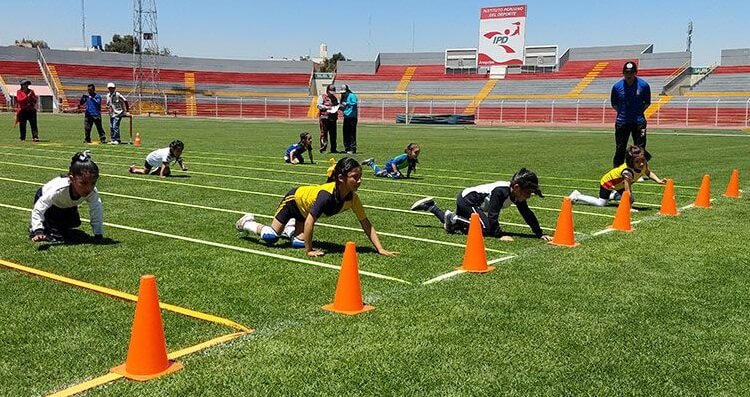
x=240 y=224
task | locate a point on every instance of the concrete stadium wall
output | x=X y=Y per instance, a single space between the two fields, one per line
x=12 y=53
x=665 y=60
x=735 y=57
x=609 y=52
x=356 y=67
x=412 y=58
x=179 y=63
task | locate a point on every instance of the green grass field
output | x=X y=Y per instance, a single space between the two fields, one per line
x=664 y=310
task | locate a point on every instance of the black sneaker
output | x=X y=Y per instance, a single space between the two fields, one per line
x=423 y=204
x=54 y=237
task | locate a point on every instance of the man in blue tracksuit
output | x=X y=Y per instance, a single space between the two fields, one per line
x=349 y=102
x=630 y=97
x=92 y=114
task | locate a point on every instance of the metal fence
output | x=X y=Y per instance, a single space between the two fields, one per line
x=677 y=111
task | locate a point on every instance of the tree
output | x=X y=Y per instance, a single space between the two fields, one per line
x=123 y=44
x=29 y=43
x=329 y=64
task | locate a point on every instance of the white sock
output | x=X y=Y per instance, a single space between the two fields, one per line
x=590 y=200
x=251 y=227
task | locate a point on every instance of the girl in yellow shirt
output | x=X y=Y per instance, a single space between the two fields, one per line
x=620 y=179
x=298 y=211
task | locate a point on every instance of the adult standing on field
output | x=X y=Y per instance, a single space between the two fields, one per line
x=349 y=103
x=328 y=107
x=92 y=115
x=630 y=98
x=26 y=105
x=118 y=108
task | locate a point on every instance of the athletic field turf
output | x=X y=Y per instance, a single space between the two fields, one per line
x=664 y=310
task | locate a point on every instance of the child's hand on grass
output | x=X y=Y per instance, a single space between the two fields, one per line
x=506 y=238
x=388 y=253
x=38 y=238
x=546 y=237
x=315 y=253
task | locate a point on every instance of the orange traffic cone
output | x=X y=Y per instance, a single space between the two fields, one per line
x=733 y=188
x=622 y=217
x=147 y=353
x=137 y=139
x=668 y=203
x=475 y=257
x=704 y=194
x=348 y=298
x=564 y=235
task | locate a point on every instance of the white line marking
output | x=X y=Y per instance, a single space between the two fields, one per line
x=444 y=276
x=425 y=240
x=231 y=176
x=503 y=259
x=161 y=180
x=456 y=272
x=230 y=247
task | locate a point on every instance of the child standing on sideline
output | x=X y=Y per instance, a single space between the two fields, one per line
x=56 y=203
x=393 y=166
x=488 y=200
x=118 y=108
x=92 y=115
x=161 y=160
x=620 y=179
x=298 y=211
x=294 y=153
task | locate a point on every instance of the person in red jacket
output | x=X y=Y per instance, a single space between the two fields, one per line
x=26 y=104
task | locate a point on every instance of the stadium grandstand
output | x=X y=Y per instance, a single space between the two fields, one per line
x=571 y=88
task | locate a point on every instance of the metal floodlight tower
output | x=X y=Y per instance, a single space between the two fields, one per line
x=146 y=61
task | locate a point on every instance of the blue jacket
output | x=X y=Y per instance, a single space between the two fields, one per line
x=93 y=105
x=631 y=101
x=350 y=109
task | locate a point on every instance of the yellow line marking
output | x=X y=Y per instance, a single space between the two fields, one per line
x=192 y=349
x=133 y=298
x=122 y=295
x=89 y=384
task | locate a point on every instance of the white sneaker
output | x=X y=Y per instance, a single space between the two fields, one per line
x=368 y=162
x=574 y=196
x=633 y=210
x=240 y=224
x=114 y=143
x=423 y=204
x=450 y=221
x=289 y=229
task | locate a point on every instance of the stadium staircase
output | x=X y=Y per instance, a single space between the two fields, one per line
x=483 y=93
x=56 y=81
x=5 y=98
x=190 y=103
x=403 y=84
x=657 y=106
x=586 y=81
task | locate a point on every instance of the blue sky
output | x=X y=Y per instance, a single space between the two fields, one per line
x=258 y=30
